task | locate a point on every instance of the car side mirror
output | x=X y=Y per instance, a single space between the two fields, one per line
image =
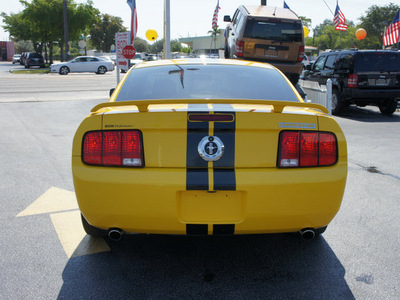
x=227 y=18
x=112 y=91
x=308 y=67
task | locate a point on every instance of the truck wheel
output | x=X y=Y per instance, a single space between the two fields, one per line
x=388 y=107
x=337 y=105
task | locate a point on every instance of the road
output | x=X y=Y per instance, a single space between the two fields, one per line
x=45 y=254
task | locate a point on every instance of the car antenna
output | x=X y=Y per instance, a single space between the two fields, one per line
x=274 y=11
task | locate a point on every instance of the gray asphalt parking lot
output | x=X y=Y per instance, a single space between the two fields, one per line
x=357 y=257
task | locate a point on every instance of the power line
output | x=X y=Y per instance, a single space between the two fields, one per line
x=328 y=7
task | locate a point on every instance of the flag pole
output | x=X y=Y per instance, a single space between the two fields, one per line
x=167 y=41
x=398 y=40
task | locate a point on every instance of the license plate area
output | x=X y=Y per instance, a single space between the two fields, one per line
x=211 y=207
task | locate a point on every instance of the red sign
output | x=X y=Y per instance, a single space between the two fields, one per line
x=129 y=52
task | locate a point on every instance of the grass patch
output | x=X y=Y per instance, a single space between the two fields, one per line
x=31 y=71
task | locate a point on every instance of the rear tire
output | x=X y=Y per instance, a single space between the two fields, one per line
x=91 y=230
x=337 y=105
x=388 y=107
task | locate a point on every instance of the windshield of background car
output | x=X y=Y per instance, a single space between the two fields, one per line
x=378 y=62
x=205 y=81
x=271 y=29
x=35 y=55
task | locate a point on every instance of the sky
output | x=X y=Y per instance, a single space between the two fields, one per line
x=193 y=17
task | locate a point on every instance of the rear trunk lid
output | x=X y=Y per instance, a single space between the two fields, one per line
x=378 y=70
x=172 y=133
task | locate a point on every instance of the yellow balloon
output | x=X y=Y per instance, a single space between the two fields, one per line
x=151 y=35
x=306 y=31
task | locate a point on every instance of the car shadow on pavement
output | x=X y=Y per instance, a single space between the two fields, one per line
x=278 y=266
x=368 y=114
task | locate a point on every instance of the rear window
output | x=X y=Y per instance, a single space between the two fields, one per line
x=35 y=55
x=271 y=29
x=205 y=81
x=378 y=62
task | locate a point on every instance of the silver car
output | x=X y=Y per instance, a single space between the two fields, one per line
x=83 y=64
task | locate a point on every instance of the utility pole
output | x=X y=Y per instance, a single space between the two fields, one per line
x=167 y=38
x=66 y=33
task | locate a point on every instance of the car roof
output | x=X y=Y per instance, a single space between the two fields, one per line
x=203 y=61
x=270 y=11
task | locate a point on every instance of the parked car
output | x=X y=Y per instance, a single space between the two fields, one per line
x=16 y=58
x=134 y=61
x=181 y=148
x=83 y=64
x=34 y=60
x=360 y=77
x=23 y=57
x=306 y=61
x=267 y=34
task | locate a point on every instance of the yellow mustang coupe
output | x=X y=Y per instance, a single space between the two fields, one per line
x=208 y=147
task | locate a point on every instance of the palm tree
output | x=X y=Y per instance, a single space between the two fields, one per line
x=214 y=32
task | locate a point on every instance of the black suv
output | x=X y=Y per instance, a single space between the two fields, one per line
x=360 y=77
x=34 y=59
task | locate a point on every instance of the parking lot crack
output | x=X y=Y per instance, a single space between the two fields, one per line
x=375 y=170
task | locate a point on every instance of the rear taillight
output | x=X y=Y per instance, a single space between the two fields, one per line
x=239 y=48
x=307 y=149
x=113 y=148
x=352 y=80
x=301 y=54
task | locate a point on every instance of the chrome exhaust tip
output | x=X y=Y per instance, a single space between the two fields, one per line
x=115 y=234
x=307 y=234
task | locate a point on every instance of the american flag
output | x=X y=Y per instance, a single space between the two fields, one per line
x=391 y=35
x=132 y=4
x=215 y=16
x=339 y=19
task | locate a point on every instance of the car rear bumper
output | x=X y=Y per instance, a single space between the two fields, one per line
x=372 y=94
x=155 y=200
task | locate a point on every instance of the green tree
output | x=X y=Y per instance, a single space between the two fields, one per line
x=157 y=47
x=103 y=33
x=214 y=33
x=326 y=37
x=375 y=21
x=141 y=45
x=41 y=22
x=176 y=46
x=306 y=21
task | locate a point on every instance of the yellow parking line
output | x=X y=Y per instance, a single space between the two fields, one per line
x=72 y=236
x=54 y=200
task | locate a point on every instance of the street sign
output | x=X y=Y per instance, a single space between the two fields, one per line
x=82 y=44
x=121 y=40
x=129 y=52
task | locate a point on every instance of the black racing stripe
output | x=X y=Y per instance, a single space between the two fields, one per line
x=196 y=179
x=224 y=168
x=196 y=167
x=224 y=180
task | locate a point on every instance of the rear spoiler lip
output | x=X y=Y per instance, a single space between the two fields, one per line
x=142 y=105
